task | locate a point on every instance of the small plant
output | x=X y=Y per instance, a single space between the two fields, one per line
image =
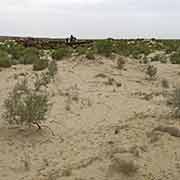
x=151 y=71
x=176 y=102
x=127 y=167
x=52 y=69
x=165 y=83
x=25 y=105
x=30 y=55
x=120 y=63
x=4 y=60
x=60 y=53
x=90 y=55
x=40 y=64
x=81 y=50
x=145 y=60
x=104 y=47
x=156 y=58
x=41 y=80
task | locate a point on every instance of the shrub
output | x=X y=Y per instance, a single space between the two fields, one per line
x=176 y=102
x=155 y=58
x=41 y=81
x=127 y=167
x=52 y=69
x=175 y=58
x=40 y=64
x=30 y=55
x=120 y=63
x=4 y=60
x=12 y=48
x=81 y=50
x=25 y=105
x=165 y=83
x=163 y=60
x=151 y=71
x=90 y=55
x=145 y=60
x=104 y=47
x=17 y=52
x=60 y=53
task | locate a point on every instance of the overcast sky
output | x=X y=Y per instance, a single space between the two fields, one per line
x=91 y=18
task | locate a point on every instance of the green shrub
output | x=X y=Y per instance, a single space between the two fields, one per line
x=104 y=47
x=30 y=55
x=60 y=53
x=40 y=64
x=81 y=50
x=17 y=52
x=25 y=105
x=4 y=59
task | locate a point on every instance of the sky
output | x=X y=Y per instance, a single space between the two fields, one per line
x=91 y=18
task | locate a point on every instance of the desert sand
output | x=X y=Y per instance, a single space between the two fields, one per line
x=99 y=115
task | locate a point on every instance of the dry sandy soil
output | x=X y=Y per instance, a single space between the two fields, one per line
x=102 y=120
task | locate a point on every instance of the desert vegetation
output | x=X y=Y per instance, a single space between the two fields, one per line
x=104 y=47
x=25 y=105
x=5 y=61
x=151 y=71
x=105 y=109
x=60 y=53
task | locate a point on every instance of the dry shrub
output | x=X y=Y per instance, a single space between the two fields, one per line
x=90 y=55
x=127 y=167
x=120 y=63
x=151 y=72
x=165 y=83
x=176 y=102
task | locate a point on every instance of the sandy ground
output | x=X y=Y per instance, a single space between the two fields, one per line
x=99 y=114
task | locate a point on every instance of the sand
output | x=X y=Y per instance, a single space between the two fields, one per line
x=99 y=114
